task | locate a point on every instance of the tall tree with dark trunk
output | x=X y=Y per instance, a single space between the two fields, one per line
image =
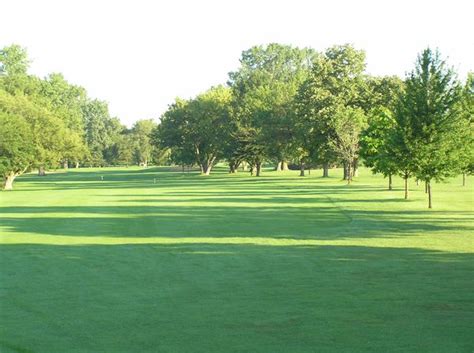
x=264 y=88
x=347 y=125
x=332 y=87
x=17 y=150
x=433 y=120
x=198 y=127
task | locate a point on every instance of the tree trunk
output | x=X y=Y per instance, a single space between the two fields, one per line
x=355 y=168
x=406 y=186
x=8 y=181
x=231 y=168
x=41 y=171
x=278 y=167
x=429 y=195
x=76 y=165
x=345 y=171
x=259 y=168
x=426 y=187
x=301 y=169
x=390 y=182
x=284 y=165
x=326 y=170
x=245 y=166
x=65 y=164
x=207 y=166
x=463 y=179
x=349 y=173
x=417 y=182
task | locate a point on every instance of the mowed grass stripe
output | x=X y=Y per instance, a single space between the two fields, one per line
x=229 y=263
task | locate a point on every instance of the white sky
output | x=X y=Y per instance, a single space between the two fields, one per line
x=139 y=55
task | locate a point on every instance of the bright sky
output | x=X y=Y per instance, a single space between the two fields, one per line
x=139 y=55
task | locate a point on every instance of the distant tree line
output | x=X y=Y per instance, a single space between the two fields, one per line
x=292 y=106
x=284 y=105
x=50 y=123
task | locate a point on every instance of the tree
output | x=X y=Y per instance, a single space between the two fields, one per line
x=66 y=101
x=332 y=87
x=466 y=156
x=348 y=124
x=101 y=130
x=264 y=88
x=141 y=133
x=432 y=119
x=17 y=151
x=197 y=128
x=375 y=147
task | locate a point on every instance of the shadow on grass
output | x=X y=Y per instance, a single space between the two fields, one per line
x=164 y=178
x=234 y=298
x=320 y=221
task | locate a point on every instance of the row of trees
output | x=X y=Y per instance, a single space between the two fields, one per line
x=284 y=105
x=289 y=105
x=47 y=123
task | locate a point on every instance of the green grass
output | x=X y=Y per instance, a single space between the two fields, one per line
x=229 y=263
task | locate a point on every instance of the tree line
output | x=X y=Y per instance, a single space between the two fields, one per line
x=287 y=105
x=283 y=105
x=50 y=123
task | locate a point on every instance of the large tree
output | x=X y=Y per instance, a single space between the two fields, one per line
x=332 y=87
x=45 y=131
x=17 y=151
x=264 y=88
x=101 y=130
x=141 y=135
x=197 y=128
x=375 y=147
x=432 y=119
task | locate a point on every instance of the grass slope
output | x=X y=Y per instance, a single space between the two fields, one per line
x=229 y=263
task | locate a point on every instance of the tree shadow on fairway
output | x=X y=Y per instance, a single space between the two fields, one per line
x=311 y=221
x=159 y=178
x=234 y=298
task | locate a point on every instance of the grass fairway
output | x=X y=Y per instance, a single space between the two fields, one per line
x=229 y=263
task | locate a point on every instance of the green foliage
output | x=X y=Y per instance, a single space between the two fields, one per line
x=375 y=143
x=197 y=129
x=17 y=151
x=13 y=61
x=466 y=153
x=141 y=136
x=331 y=90
x=431 y=118
x=380 y=92
x=101 y=130
x=347 y=125
x=264 y=88
x=47 y=129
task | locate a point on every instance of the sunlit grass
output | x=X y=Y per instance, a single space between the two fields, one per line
x=159 y=260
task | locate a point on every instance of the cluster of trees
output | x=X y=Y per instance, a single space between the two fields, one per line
x=50 y=123
x=287 y=105
x=283 y=105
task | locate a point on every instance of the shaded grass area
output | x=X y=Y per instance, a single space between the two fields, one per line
x=233 y=264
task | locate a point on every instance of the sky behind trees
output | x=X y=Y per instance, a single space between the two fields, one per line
x=138 y=55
